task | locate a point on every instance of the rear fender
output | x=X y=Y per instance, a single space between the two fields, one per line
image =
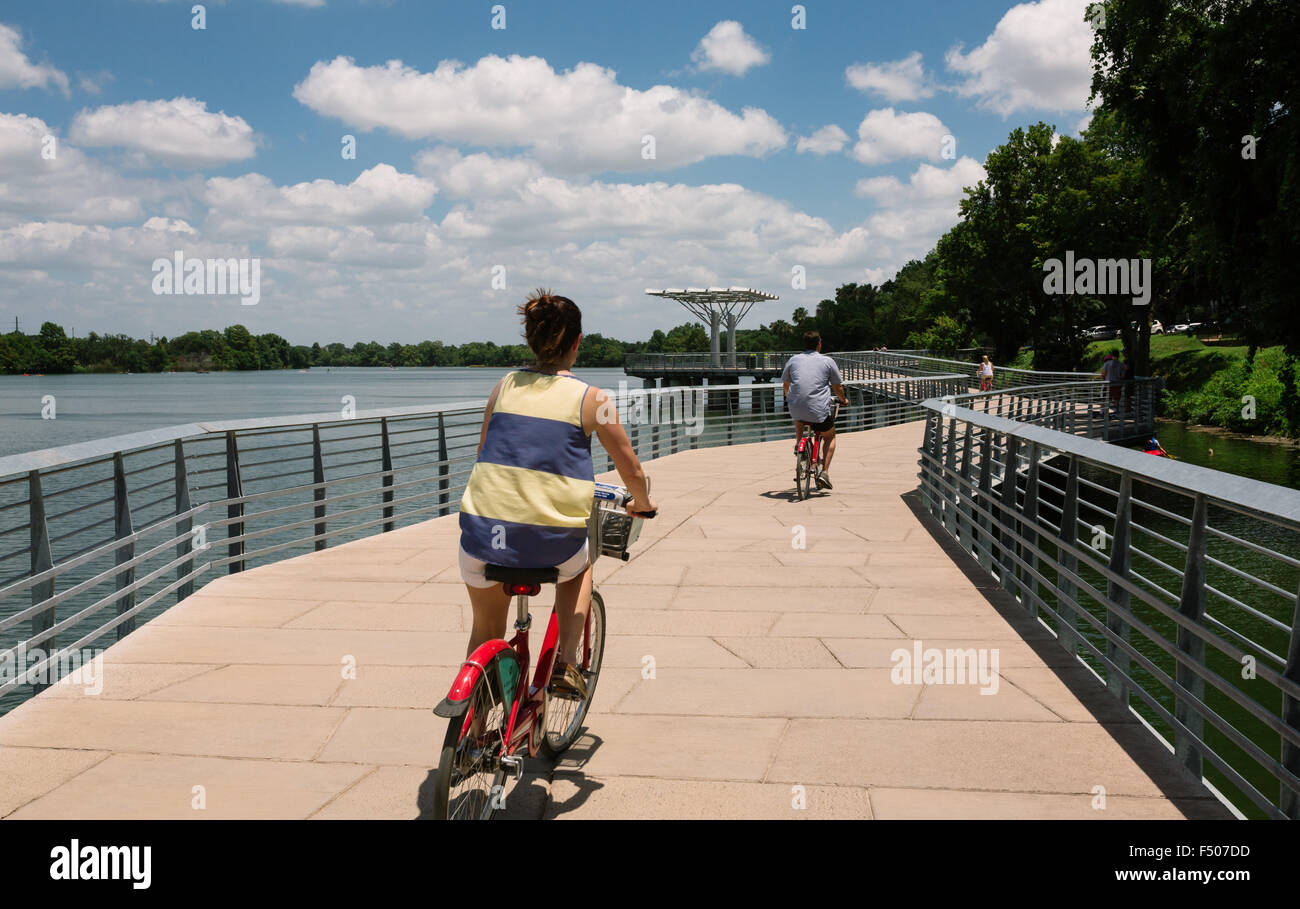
x=501 y=663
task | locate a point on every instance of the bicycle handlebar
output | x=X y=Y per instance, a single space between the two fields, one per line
x=619 y=494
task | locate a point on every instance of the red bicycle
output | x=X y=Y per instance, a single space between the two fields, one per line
x=493 y=722
x=809 y=457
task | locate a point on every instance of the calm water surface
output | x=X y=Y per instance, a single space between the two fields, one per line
x=96 y=406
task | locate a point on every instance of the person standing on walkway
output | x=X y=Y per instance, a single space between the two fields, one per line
x=1112 y=371
x=807 y=382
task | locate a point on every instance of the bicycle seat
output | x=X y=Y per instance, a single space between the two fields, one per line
x=511 y=575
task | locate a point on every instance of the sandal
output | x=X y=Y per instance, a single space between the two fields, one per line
x=567 y=682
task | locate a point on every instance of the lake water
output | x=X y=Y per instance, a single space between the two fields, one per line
x=90 y=407
x=1267 y=461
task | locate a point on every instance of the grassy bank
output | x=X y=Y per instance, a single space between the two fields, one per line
x=1213 y=384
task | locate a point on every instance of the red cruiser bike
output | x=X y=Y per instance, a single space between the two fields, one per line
x=809 y=457
x=496 y=716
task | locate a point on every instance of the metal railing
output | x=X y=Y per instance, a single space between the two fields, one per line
x=702 y=362
x=1093 y=409
x=1176 y=584
x=97 y=536
x=859 y=363
x=1003 y=377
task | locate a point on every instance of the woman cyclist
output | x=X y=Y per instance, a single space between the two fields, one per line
x=530 y=493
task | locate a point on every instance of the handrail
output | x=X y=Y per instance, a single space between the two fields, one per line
x=1174 y=583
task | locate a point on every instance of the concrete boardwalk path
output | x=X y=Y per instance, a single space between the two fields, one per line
x=771 y=684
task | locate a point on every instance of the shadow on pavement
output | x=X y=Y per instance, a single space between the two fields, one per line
x=1148 y=752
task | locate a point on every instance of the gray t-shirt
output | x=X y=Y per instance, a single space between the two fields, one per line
x=811 y=376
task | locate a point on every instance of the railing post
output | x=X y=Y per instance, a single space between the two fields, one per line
x=1067 y=624
x=964 y=517
x=1029 y=530
x=443 y=467
x=949 y=475
x=125 y=552
x=318 y=478
x=985 y=500
x=1118 y=594
x=234 y=490
x=386 y=464
x=1290 y=802
x=731 y=419
x=1192 y=605
x=185 y=526
x=1006 y=543
x=930 y=461
x=655 y=403
x=41 y=562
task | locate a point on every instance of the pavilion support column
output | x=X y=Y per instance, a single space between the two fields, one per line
x=715 y=355
x=731 y=339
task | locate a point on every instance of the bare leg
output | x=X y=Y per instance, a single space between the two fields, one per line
x=572 y=603
x=828 y=439
x=490 y=604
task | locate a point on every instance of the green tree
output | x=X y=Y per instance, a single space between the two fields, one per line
x=241 y=348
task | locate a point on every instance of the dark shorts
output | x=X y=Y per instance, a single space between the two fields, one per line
x=827 y=424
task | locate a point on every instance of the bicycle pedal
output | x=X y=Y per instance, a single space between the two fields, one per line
x=514 y=763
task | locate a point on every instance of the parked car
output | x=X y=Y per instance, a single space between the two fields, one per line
x=1156 y=327
x=1101 y=333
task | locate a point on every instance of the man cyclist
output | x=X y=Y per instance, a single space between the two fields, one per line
x=808 y=381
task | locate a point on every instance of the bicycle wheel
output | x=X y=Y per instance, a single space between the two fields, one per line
x=563 y=716
x=803 y=471
x=470 y=783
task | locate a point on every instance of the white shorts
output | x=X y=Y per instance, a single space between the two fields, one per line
x=472 y=569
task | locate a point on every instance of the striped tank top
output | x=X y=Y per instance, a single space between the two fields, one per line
x=529 y=495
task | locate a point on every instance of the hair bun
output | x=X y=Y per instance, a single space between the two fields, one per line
x=551 y=324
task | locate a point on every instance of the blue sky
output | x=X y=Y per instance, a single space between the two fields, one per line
x=523 y=159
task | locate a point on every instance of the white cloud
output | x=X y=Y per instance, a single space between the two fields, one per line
x=911 y=216
x=16 y=71
x=901 y=80
x=378 y=195
x=66 y=187
x=126 y=252
x=928 y=184
x=578 y=121
x=1038 y=58
x=479 y=175
x=827 y=140
x=885 y=135
x=728 y=49
x=350 y=246
x=180 y=133
x=170 y=225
